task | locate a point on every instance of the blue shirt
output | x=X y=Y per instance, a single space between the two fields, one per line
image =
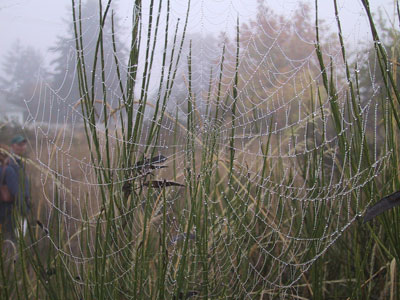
x=18 y=181
x=22 y=179
x=11 y=181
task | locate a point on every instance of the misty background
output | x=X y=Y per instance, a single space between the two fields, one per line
x=37 y=57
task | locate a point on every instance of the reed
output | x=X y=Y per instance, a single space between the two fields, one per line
x=204 y=220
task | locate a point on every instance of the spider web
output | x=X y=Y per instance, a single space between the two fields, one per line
x=271 y=179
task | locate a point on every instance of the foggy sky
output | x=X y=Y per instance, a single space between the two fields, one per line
x=38 y=22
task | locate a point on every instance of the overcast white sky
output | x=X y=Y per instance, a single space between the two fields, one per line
x=38 y=22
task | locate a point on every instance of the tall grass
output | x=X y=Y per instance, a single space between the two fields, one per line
x=269 y=226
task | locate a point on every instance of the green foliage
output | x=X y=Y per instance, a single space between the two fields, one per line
x=282 y=223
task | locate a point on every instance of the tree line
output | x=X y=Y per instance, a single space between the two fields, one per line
x=24 y=66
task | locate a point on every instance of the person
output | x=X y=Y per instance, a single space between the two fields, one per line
x=8 y=178
x=18 y=180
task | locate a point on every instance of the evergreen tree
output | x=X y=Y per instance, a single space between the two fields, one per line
x=370 y=76
x=204 y=55
x=23 y=74
x=65 y=77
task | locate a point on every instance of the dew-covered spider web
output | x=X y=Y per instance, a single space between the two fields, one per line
x=213 y=149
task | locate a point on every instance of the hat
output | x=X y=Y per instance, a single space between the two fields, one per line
x=18 y=139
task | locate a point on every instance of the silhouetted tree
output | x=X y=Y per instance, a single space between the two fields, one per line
x=277 y=60
x=65 y=78
x=370 y=76
x=23 y=74
x=371 y=83
x=204 y=55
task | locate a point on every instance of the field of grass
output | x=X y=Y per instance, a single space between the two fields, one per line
x=145 y=204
